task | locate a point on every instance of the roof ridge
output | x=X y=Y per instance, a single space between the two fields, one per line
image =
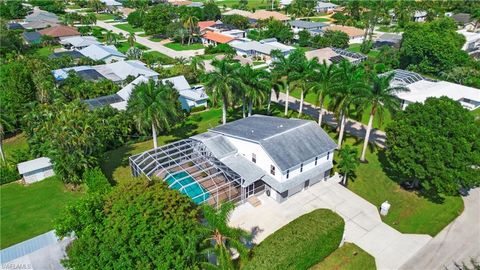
x=286 y=131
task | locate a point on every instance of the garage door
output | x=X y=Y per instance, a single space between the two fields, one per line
x=295 y=189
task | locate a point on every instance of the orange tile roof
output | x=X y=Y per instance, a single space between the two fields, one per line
x=217 y=37
x=60 y=31
x=265 y=14
x=205 y=24
x=349 y=30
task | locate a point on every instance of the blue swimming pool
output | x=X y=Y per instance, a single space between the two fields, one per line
x=194 y=191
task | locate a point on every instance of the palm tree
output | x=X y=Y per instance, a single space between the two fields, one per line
x=131 y=39
x=380 y=96
x=96 y=5
x=255 y=85
x=349 y=84
x=278 y=85
x=154 y=104
x=197 y=66
x=348 y=162
x=190 y=23
x=303 y=79
x=223 y=237
x=221 y=83
x=285 y=67
x=111 y=37
x=5 y=123
x=323 y=85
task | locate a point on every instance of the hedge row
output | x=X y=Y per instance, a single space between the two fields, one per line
x=300 y=244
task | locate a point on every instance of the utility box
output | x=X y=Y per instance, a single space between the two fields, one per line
x=384 y=208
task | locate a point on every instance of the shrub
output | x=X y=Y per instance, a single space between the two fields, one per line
x=198 y=109
x=220 y=48
x=8 y=174
x=300 y=244
x=96 y=181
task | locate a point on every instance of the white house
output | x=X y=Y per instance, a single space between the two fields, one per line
x=36 y=169
x=78 y=42
x=472 y=42
x=190 y=97
x=314 y=28
x=262 y=48
x=422 y=88
x=325 y=7
x=419 y=16
x=243 y=158
x=106 y=53
x=335 y=55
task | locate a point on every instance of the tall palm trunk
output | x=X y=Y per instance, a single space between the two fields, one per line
x=286 y=100
x=342 y=130
x=269 y=103
x=320 y=111
x=301 y=104
x=224 y=110
x=154 y=136
x=367 y=135
x=243 y=106
x=250 y=106
x=2 y=155
x=345 y=179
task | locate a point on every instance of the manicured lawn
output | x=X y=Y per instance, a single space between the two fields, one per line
x=124 y=46
x=319 y=19
x=161 y=58
x=28 y=211
x=257 y=4
x=410 y=212
x=46 y=51
x=183 y=47
x=301 y=243
x=104 y=16
x=127 y=27
x=18 y=142
x=356 y=48
x=348 y=257
x=476 y=113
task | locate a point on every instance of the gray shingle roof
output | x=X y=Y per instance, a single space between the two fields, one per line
x=245 y=168
x=288 y=142
x=31 y=36
x=306 y=24
x=217 y=144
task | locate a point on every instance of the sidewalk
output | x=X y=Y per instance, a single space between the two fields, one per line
x=352 y=127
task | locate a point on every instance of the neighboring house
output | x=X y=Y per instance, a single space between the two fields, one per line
x=116 y=72
x=355 y=34
x=422 y=88
x=258 y=15
x=15 y=26
x=465 y=21
x=325 y=7
x=388 y=39
x=40 y=19
x=335 y=55
x=32 y=38
x=36 y=169
x=472 y=40
x=108 y=54
x=243 y=158
x=314 y=28
x=419 y=16
x=214 y=38
x=262 y=48
x=72 y=54
x=203 y=25
x=285 y=3
x=60 y=31
x=112 y=4
x=78 y=42
x=189 y=97
x=240 y=12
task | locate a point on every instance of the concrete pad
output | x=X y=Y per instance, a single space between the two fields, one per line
x=378 y=239
x=332 y=198
x=348 y=210
x=365 y=221
x=353 y=232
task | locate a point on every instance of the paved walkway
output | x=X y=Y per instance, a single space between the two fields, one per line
x=363 y=225
x=352 y=127
x=155 y=46
x=458 y=242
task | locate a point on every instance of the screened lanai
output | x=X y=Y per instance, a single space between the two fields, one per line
x=189 y=167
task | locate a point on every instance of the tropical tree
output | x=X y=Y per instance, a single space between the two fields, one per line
x=111 y=37
x=96 y=5
x=131 y=39
x=197 y=66
x=302 y=79
x=154 y=104
x=255 y=88
x=223 y=237
x=5 y=124
x=348 y=163
x=323 y=84
x=380 y=96
x=278 y=85
x=190 y=23
x=349 y=85
x=134 y=53
x=89 y=18
x=221 y=83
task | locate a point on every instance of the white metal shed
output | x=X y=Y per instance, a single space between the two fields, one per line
x=36 y=169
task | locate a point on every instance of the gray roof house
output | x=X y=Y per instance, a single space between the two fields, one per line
x=243 y=158
x=40 y=19
x=32 y=38
x=325 y=7
x=314 y=28
x=388 y=39
x=105 y=53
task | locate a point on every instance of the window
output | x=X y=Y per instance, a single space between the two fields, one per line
x=254 y=158
x=301 y=167
x=328 y=155
x=288 y=173
x=316 y=161
x=272 y=170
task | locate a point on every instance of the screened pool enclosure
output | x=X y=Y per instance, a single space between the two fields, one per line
x=189 y=167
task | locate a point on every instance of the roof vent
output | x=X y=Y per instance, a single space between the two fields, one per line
x=281 y=126
x=252 y=130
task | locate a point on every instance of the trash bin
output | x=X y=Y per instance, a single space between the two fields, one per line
x=384 y=208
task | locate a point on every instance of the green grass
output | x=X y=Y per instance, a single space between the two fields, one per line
x=18 y=142
x=301 y=243
x=257 y=4
x=105 y=16
x=161 y=58
x=319 y=19
x=46 y=51
x=410 y=212
x=127 y=27
x=28 y=211
x=257 y=63
x=356 y=48
x=476 y=113
x=124 y=46
x=348 y=257
x=179 y=47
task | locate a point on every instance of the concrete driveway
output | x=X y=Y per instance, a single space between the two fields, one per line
x=363 y=225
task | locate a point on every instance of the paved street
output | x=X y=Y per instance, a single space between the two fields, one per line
x=363 y=225
x=352 y=127
x=458 y=242
x=155 y=46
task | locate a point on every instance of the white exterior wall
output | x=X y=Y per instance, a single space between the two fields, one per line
x=38 y=175
x=307 y=165
x=264 y=162
x=356 y=40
